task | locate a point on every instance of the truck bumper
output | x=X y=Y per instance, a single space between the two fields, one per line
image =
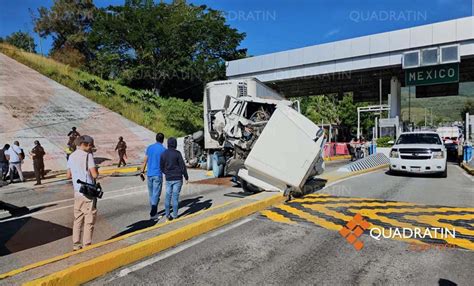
x=418 y=166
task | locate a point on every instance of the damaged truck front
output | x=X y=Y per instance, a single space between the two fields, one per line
x=257 y=136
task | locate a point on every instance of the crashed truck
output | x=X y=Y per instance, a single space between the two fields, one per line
x=255 y=135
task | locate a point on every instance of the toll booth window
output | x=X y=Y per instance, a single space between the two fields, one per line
x=429 y=57
x=411 y=60
x=450 y=54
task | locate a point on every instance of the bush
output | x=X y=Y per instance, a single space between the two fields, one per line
x=383 y=141
x=182 y=115
x=90 y=84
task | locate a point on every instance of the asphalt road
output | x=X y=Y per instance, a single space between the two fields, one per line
x=38 y=224
x=303 y=247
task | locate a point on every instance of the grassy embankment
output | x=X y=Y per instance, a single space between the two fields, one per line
x=173 y=117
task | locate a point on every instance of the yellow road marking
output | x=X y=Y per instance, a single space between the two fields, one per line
x=344 y=217
x=434 y=220
x=276 y=217
x=319 y=221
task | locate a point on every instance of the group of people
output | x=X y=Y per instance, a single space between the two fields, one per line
x=12 y=157
x=158 y=161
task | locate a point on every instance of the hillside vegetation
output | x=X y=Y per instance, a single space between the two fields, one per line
x=172 y=116
x=444 y=109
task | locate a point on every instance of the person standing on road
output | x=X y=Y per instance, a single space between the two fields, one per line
x=81 y=166
x=37 y=154
x=172 y=165
x=15 y=156
x=73 y=135
x=121 y=148
x=151 y=164
x=4 y=162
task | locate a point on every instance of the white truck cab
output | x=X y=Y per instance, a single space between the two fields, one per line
x=419 y=152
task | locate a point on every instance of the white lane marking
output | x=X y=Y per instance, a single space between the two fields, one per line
x=470 y=177
x=176 y=250
x=72 y=199
x=65 y=207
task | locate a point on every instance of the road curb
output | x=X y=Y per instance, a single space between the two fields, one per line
x=468 y=168
x=101 y=265
x=118 y=170
x=96 y=267
x=337 y=158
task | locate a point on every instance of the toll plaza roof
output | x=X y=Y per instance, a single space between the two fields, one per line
x=357 y=62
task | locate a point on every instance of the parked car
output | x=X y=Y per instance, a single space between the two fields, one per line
x=419 y=152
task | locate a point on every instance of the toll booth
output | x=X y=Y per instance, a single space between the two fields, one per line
x=389 y=127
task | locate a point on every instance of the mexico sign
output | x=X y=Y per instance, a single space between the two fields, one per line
x=428 y=75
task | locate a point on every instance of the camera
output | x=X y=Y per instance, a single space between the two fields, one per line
x=91 y=190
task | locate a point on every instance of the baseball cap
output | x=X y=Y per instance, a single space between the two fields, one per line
x=84 y=139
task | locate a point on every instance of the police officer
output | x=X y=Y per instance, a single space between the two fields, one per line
x=73 y=134
x=37 y=154
x=122 y=151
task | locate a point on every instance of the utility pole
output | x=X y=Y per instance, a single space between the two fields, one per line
x=431 y=116
x=425 y=117
x=409 y=104
x=380 y=94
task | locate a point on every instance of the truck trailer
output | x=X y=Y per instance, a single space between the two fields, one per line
x=255 y=135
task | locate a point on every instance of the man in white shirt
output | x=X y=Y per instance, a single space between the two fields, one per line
x=81 y=166
x=15 y=156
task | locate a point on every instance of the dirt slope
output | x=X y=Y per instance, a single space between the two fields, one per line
x=34 y=107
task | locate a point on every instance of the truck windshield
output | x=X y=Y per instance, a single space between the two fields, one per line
x=419 y=138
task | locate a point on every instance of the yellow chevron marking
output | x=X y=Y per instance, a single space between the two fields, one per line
x=319 y=221
x=276 y=217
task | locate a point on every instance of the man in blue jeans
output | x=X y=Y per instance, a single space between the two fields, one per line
x=154 y=174
x=172 y=165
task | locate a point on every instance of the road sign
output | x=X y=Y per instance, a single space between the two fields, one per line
x=432 y=75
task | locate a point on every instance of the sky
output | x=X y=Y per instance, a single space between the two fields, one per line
x=278 y=25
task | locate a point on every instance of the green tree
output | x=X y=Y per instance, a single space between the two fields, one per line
x=22 y=41
x=347 y=111
x=468 y=108
x=172 y=48
x=68 y=22
x=320 y=109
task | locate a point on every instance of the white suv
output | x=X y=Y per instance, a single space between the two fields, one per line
x=419 y=152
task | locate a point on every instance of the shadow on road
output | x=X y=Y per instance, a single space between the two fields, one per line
x=194 y=205
x=29 y=232
x=16 y=211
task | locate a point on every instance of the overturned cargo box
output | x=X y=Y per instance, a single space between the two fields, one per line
x=286 y=154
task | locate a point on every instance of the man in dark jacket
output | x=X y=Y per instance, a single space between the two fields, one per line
x=37 y=154
x=172 y=165
x=4 y=162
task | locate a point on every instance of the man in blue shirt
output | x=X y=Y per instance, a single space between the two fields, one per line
x=154 y=173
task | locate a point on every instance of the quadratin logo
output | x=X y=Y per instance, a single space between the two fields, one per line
x=353 y=230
